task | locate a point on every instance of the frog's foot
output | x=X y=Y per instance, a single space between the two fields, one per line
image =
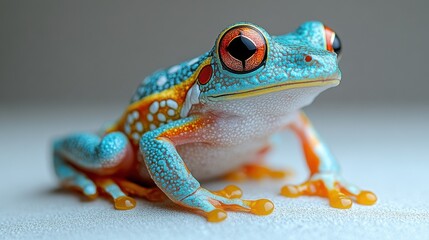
x=213 y=205
x=256 y=172
x=75 y=179
x=332 y=186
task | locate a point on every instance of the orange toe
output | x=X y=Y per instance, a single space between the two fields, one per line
x=366 y=198
x=290 y=191
x=217 y=215
x=261 y=207
x=230 y=191
x=339 y=200
x=124 y=203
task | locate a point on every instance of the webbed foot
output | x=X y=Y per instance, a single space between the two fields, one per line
x=330 y=185
x=214 y=204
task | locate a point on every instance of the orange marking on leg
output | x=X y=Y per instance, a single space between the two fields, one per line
x=308 y=143
x=185 y=131
x=151 y=194
x=313 y=161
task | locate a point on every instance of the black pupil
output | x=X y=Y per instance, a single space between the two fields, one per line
x=241 y=48
x=336 y=45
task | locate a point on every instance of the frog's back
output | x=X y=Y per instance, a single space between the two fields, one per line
x=165 y=79
x=159 y=99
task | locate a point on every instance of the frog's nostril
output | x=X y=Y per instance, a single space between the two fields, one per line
x=308 y=58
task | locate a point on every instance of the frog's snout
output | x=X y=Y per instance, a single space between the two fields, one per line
x=323 y=63
x=336 y=75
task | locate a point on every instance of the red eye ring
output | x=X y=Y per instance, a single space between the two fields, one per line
x=242 y=49
x=333 y=42
x=329 y=36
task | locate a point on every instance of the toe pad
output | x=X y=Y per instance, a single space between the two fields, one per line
x=124 y=203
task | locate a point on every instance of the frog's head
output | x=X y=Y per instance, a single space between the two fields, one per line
x=246 y=62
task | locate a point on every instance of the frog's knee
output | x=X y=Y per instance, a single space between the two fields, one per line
x=112 y=147
x=92 y=153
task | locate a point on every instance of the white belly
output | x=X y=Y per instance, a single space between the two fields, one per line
x=207 y=162
x=236 y=142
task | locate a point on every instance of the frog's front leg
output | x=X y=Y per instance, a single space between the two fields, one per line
x=171 y=175
x=325 y=179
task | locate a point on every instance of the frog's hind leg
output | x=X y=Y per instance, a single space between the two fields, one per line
x=256 y=169
x=325 y=179
x=98 y=157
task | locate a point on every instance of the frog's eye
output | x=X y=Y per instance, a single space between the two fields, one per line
x=242 y=49
x=333 y=42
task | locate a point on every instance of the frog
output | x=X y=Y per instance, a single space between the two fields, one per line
x=212 y=116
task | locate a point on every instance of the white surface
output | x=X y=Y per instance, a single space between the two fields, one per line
x=381 y=148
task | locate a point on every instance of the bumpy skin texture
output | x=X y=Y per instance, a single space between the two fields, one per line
x=210 y=116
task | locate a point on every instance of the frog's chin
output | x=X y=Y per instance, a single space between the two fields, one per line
x=276 y=88
x=279 y=101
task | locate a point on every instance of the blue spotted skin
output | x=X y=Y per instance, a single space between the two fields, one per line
x=165 y=165
x=91 y=152
x=185 y=70
x=308 y=34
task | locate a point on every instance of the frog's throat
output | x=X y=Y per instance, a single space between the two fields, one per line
x=277 y=88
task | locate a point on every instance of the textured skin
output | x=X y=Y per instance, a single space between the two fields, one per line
x=198 y=120
x=285 y=63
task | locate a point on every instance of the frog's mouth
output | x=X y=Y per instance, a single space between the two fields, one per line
x=278 y=87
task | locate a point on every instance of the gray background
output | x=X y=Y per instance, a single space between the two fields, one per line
x=99 y=51
x=67 y=66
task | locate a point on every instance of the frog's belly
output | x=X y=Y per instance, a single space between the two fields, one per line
x=232 y=147
x=207 y=161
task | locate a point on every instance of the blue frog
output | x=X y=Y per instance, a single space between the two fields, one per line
x=214 y=115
